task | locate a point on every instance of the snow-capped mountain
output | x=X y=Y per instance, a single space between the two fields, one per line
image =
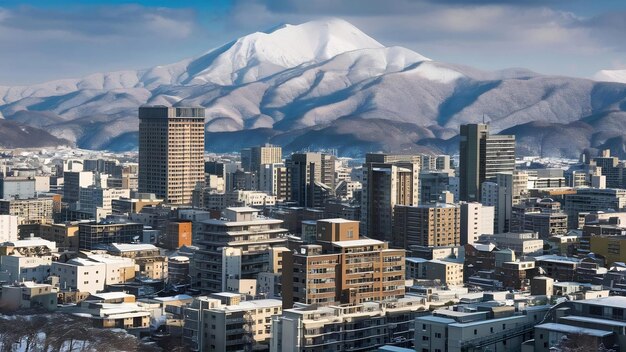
x=618 y=76
x=324 y=84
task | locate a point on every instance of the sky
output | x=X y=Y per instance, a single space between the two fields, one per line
x=42 y=40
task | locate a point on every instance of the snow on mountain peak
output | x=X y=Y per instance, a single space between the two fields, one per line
x=618 y=76
x=261 y=54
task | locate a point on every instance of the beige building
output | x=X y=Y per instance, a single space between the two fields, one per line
x=448 y=272
x=28 y=294
x=171 y=152
x=222 y=322
x=30 y=211
x=432 y=225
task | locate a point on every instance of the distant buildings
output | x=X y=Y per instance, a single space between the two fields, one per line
x=482 y=156
x=388 y=180
x=427 y=225
x=171 y=152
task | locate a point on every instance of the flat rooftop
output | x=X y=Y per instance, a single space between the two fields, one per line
x=569 y=329
x=358 y=243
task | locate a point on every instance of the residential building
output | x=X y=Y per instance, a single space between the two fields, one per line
x=496 y=330
x=388 y=180
x=28 y=295
x=234 y=247
x=8 y=228
x=312 y=178
x=275 y=179
x=212 y=324
x=171 y=152
x=591 y=200
x=17 y=187
x=351 y=327
x=426 y=225
x=522 y=243
x=476 y=220
x=341 y=267
x=29 y=211
x=28 y=259
x=149 y=262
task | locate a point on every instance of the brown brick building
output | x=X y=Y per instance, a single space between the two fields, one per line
x=341 y=267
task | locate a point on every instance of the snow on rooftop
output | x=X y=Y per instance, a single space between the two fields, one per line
x=569 y=329
x=357 y=243
x=131 y=247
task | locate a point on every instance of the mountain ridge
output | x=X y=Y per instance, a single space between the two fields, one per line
x=326 y=80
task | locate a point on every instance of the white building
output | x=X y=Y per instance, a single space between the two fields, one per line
x=97 y=201
x=80 y=274
x=212 y=324
x=8 y=228
x=476 y=220
x=27 y=260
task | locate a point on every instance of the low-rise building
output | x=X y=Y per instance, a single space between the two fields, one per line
x=223 y=322
x=357 y=327
x=28 y=295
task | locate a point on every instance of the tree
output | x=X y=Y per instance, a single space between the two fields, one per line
x=580 y=343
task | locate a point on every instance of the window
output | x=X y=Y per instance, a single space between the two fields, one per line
x=475 y=332
x=423 y=326
x=424 y=338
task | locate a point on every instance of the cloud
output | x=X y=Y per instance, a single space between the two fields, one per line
x=41 y=44
x=483 y=33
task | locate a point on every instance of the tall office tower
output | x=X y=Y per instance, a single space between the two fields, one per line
x=432 y=225
x=509 y=189
x=341 y=267
x=476 y=220
x=388 y=180
x=266 y=154
x=171 y=152
x=312 y=178
x=482 y=156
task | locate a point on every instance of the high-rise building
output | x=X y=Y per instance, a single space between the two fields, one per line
x=312 y=178
x=482 y=156
x=265 y=154
x=388 y=180
x=341 y=267
x=508 y=190
x=274 y=179
x=431 y=225
x=476 y=220
x=171 y=152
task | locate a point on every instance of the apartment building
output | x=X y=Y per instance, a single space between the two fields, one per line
x=341 y=267
x=388 y=180
x=29 y=211
x=430 y=225
x=351 y=327
x=476 y=220
x=171 y=152
x=217 y=324
x=27 y=260
x=236 y=246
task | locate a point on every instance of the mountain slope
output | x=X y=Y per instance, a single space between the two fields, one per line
x=618 y=76
x=326 y=84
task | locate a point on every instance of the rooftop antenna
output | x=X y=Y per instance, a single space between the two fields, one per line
x=483 y=119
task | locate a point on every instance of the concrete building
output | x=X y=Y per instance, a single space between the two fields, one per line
x=482 y=156
x=426 y=225
x=171 y=152
x=28 y=295
x=73 y=181
x=17 y=187
x=522 y=243
x=500 y=329
x=591 y=200
x=234 y=247
x=8 y=228
x=217 y=324
x=149 y=263
x=94 y=235
x=388 y=180
x=29 y=211
x=178 y=234
x=275 y=179
x=476 y=220
x=593 y=322
x=127 y=206
x=80 y=274
x=28 y=259
x=355 y=327
x=539 y=217
x=341 y=267
x=312 y=178
x=98 y=201
x=557 y=267
x=65 y=235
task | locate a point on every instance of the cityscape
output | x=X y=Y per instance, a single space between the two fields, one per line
x=267 y=196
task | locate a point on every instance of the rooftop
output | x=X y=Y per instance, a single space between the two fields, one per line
x=131 y=247
x=358 y=243
x=612 y=301
x=569 y=329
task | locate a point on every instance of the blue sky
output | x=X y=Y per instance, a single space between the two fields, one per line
x=44 y=39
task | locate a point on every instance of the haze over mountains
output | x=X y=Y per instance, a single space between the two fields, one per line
x=326 y=84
